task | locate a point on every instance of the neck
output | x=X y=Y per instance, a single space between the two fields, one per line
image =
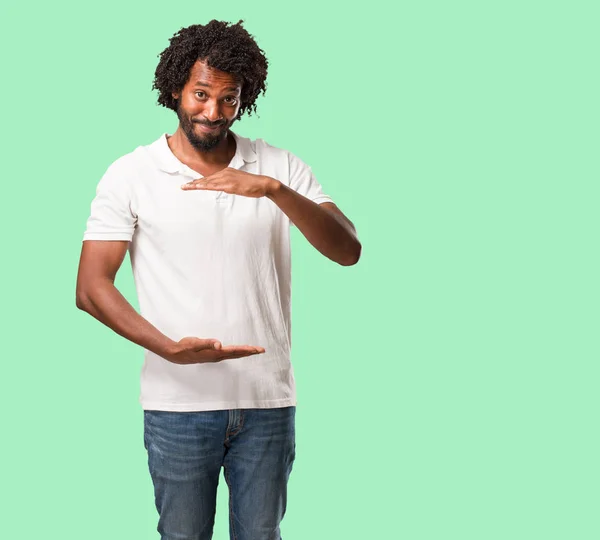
x=186 y=153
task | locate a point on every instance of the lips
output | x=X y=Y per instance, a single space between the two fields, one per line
x=209 y=129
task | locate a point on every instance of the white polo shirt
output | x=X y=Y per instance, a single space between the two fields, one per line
x=211 y=265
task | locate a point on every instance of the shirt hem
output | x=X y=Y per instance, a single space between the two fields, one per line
x=217 y=405
x=322 y=199
x=107 y=236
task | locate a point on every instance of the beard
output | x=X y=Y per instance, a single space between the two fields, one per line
x=202 y=141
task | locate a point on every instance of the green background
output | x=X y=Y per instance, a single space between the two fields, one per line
x=448 y=383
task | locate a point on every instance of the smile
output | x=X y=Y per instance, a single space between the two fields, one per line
x=207 y=128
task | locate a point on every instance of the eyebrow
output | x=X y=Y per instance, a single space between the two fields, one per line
x=200 y=83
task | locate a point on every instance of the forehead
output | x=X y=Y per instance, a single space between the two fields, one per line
x=202 y=72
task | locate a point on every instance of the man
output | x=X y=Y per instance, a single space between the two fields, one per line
x=206 y=216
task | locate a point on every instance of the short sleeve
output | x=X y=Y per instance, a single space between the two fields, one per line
x=304 y=182
x=111 y=216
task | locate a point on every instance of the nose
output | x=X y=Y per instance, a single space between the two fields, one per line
x=211 y=111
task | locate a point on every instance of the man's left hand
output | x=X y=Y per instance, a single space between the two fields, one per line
x=236 y=182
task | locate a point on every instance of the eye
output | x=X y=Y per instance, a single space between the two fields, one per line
x=232 y=101
x=200 y=92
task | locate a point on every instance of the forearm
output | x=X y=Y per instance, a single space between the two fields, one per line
x=104 y=302
x=331 y=234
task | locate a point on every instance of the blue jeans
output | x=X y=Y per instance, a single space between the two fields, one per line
x=186 y=450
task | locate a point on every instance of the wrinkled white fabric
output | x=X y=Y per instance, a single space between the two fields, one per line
x=207 y=264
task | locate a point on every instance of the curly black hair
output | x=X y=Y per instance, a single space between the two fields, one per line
x=223 y=46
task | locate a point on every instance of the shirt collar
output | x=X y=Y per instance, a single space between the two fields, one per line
x=168 y=162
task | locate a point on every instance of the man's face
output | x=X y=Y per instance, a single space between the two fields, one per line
x=207 y=105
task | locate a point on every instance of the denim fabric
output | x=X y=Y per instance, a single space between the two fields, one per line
x=186 y=450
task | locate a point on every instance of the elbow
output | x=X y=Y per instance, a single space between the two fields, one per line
x=353 y=255
x=86 y=293
x=81 y=300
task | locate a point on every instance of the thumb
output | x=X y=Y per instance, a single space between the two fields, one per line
x=199 y=344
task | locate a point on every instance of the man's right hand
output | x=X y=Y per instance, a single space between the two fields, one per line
x=193 y=350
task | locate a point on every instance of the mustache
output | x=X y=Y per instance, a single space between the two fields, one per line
x=210 y=124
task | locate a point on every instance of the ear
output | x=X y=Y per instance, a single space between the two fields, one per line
x=175 y=95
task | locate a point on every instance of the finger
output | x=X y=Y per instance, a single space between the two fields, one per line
x=217 y=357
x=242 y=349
x=236 y=355
x=194 y=184
x=195 y=181
x=208 y=344
x=211 y=178
x=202 y=185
